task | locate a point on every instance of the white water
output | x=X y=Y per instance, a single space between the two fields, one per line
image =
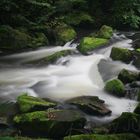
x=82 y=75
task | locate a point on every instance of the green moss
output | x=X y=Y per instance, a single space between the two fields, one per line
x=127 y=76
x=105 y=32
x=126 y=123
x=90 y=43
x=28 y=103
x=64 y=34
x=138 y=50
x=121 y=54
x=115 y=87
x=7 y=138
x=51 y=58
x=103 y=137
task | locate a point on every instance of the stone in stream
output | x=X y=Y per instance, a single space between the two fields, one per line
x=105 y=32
x=50 y=59
x=126 y=123
x=121 y=54
x=91 y=105
x=88 y=44
x=127 y=76
x=50 y=123
x=136 y=44
x=28 y=103
x=136 y=61
x=127 y=136
x=115 y=87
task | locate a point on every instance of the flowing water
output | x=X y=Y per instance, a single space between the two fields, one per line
x=71 y=76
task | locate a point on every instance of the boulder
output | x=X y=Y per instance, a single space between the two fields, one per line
x=91 y=105
x=127 y=76
x=137 y=109
x=50 y=123
x=127 y=136
x=105 y=32
x=17 y=39
x=28 y=103
x=115 y=87
x=64 y=34
x=121 y=54
x=136 y=44
x=88 y=44
x=126 y=123
x=50 y=59
x=136 y=60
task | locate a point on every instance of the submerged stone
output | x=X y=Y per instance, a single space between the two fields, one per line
x=50 y=59
x=28 y=103
x=121 y=54
x=91 y=105
x=115 y=87
x=88 y=44
x=137 y=109
x=50 y=123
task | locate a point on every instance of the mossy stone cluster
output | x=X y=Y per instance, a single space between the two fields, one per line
x=115 y=87
x=121 y=54
x=126 y=123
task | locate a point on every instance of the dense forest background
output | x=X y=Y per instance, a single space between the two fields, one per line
x=37 y=22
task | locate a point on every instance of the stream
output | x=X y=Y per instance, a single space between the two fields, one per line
x=71 y=76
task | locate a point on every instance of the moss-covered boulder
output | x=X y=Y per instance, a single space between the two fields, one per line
x=88 y=44
x=50 y=59
x=137 y=109
x=115 y=87
x=28 y=103
x=127 y=76
x=121 y=54
x=104 y=32
x=7 y=138
x=91 y=105
x=128 y=136
x=64 y=33
x=17 y=39
x=50 y=123
x=11 y=39
x=126 y=123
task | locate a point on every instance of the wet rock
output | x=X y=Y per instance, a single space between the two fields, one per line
x=50 y=59
x=136 y=60
x=137 y=109
x=136 y=44
x=28 y=103
x=126 y=123
x=64 y=34
x=105 y=32
x=135 y=36
x=51 y=123
x=88 y=44
x=91 y=105
x=115 y=87
x=127 y=136
x=127 y=76
x=121 y=54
